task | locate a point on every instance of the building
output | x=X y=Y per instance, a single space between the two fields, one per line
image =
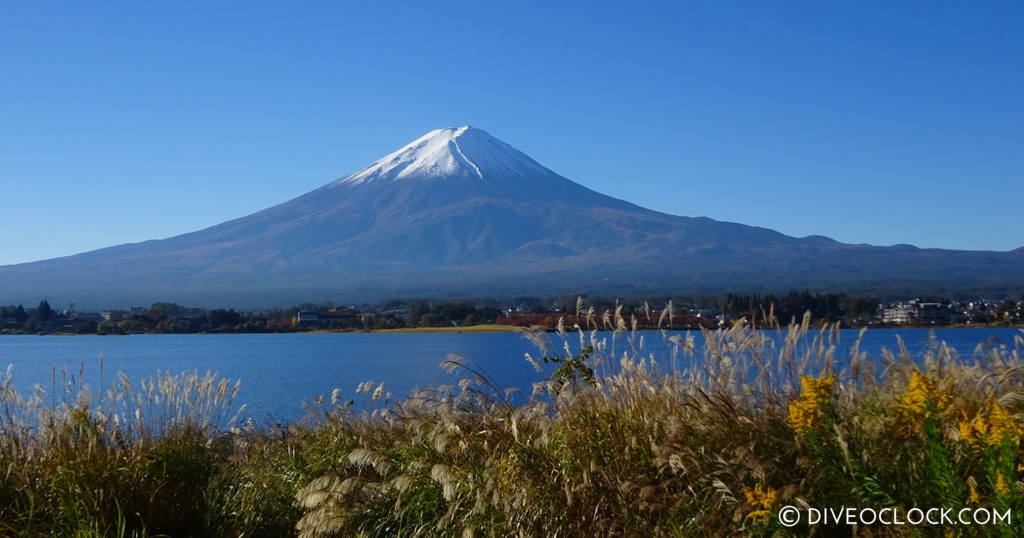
x=305 y=316
x=898 y=314
x=932 y=314
x=919 y=312
x=94 y=317
x=338 y=314
x=401 y=314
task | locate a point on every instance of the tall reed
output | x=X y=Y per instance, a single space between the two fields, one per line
x=705 y=440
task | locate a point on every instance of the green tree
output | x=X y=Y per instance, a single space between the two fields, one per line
x=132 y=326
x=44 y=312
x=224 y=317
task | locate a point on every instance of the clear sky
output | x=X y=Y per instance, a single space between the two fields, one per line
x=878 y=122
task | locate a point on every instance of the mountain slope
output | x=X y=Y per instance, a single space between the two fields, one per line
x=458 y=212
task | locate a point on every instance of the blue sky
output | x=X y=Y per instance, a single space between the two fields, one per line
x=864 y=121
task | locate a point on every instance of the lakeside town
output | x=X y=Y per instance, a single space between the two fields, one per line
x=589 y=313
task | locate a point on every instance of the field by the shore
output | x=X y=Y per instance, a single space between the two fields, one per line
x=709 y=442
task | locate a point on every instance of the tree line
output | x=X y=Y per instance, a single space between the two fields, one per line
x=649 y=313
x=822 y=306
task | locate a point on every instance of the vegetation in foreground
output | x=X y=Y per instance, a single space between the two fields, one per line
x=708 y=442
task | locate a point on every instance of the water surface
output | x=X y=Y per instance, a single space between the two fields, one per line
x=279 y=371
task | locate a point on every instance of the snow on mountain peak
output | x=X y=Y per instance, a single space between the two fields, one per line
x=455 y=152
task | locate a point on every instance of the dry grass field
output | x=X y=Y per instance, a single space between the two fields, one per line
x=701 y=442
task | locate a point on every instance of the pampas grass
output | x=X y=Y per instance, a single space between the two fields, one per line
x=709 y=442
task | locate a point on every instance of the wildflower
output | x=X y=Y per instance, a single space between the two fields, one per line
x=1001 y=487
x=971 y=429
x=973 y=496
x=923 y=400
x=1002 y=425
x=762 y=499
x=807 y=411
x=993 y=428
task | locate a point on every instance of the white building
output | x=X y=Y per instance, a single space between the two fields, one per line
x=898 y=314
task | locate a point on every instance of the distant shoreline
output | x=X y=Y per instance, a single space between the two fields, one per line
x=488 y=328
x=481 y=329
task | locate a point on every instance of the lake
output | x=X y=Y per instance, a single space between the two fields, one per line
x=280 y=371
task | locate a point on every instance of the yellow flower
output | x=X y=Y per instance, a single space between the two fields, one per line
x=806 y=411
x=1002 y=425
x=993 y=428
x=973 y=497
x=971 y=430
x=1001 y=487
x=762 y=499
x=759 y=514
x=922 y=400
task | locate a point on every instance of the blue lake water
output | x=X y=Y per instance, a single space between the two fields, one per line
x=280 y=371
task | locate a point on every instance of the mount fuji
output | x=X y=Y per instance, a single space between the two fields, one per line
x=458 y=212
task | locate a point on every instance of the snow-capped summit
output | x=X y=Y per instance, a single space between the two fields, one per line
x=455 y=152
